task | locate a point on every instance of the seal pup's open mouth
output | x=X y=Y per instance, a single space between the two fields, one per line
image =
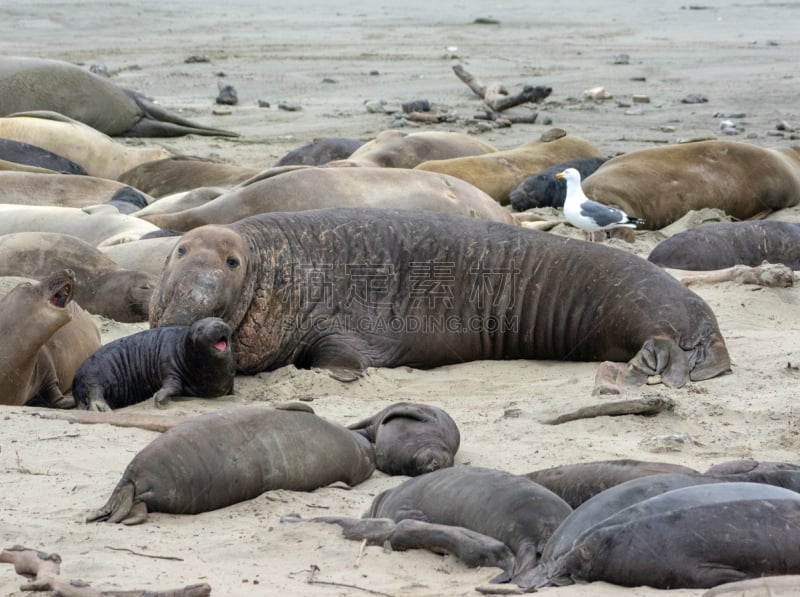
x=221 y=344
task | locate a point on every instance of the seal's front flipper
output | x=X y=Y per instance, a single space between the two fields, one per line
x=343 y=361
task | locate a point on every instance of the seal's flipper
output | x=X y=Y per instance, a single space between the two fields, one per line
x=709 y=359
x=660 y=356
x=158 y=122
x=118 y=506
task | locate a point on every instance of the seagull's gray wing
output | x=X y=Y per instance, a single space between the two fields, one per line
x=602 y=214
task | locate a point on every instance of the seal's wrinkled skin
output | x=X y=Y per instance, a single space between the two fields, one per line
x=347 y=289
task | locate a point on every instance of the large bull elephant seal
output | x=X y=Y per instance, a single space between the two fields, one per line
x=103 y=287
x=399 y=149
x=347 y=289
x=46 y=337
x=98 y=154
x=498 y=173
x=411 y=439
x=64 y=190
x=662 y=184
x=160 y=178
x=30 y=84
x=191 y=468
x=725 y=244
x=300 y=189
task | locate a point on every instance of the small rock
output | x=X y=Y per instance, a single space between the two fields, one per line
x=196 y=58
x=512 y=413
x=726 y=124
x=694 y=98
x=227 y=96
x=634 y=112
x=639 y=79
x=667 y=128
x=783 y=126
x=399 y=123
x=99 y=69
x=221 y=112
x=289 y=107
x=485 y=21
x=374 y=73
x=672 y=442
x=737 y=115
x=378 y=107
x=547 y=121
x=621 y=59
x=329 y=80
x=596 y=93
x=640 y=98
x=422 y=105
x=263 y=104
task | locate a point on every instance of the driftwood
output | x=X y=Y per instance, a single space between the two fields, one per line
x=775 y=275
x=45 y=569
x=496 y=97
x=649 y=405
x=159 y=423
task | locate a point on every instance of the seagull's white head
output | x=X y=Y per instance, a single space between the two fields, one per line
x=571 y=175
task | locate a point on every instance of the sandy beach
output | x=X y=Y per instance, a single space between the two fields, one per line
x=329 y=59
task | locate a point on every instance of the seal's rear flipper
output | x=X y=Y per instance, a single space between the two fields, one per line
x=158 y=122
x=121 y=507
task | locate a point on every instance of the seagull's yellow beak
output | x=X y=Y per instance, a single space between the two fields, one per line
x=560 y=175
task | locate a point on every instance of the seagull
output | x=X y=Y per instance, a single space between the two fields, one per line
x=591 y=216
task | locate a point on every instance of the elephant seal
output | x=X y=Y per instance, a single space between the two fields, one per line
x=176 y=174
x=320 y=151
x=96 y=227
x=695 y=537
x=520 y=513
x=498 y=173
x=98 y=154
x=782 y=474
x=31 y=155
x=576 y=483
x=662 y=184
x=64 y=190
x=601 y=506
x=177 y=360
x=104 y=287
x=721 y=245
x=30 y=84
x=347 y=289
x=46 y=336
x=411 y=439
x=190 y=468
x=399 y=149
x=315 y=188
x=145 y=255
x=544 y=189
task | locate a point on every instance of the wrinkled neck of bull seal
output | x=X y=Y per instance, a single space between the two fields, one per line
x=268 y=324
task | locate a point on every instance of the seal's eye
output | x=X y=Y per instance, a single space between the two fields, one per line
x=181 y=251
x=232 y=262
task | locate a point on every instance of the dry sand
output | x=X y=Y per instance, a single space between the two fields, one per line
x=742 y=56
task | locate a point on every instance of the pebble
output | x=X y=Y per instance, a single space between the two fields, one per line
x=640 y=98
x=196 y=58
x=227 y=96
x=263 y=104
x=421 y=105
x=694 y=98
x=289 y=107
x=621 y=59
x=667 y=129
x=596 y=93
